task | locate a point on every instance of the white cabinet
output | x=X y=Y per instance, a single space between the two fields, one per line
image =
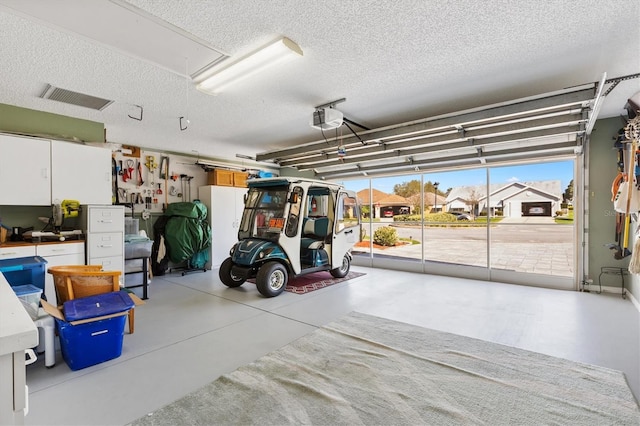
x=25 y=174
x=80 y=172
x=104 y=230
x=38 y=172
x=57 y=254
x=225 y=205
x=17 y=333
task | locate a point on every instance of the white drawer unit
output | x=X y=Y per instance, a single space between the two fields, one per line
x=60 y=249
x=105 y=244
x=108 y=263
x=12 y=252
x=104 y=230
x=106 y=219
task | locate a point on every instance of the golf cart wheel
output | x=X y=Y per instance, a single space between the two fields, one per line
x=343 y=270
x=227 y=277
x=271 y=279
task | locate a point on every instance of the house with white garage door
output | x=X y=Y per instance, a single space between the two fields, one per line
x=515 y=199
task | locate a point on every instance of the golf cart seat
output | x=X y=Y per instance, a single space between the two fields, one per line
x=314 y=232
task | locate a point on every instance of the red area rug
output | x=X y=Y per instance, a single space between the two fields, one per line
x=315 y=281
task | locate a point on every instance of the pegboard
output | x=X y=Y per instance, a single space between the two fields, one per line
x=149 y=187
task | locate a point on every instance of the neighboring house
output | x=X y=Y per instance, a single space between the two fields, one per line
x=516 y=199
x=384 y=205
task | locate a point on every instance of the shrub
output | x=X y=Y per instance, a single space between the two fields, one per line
x=385 y=236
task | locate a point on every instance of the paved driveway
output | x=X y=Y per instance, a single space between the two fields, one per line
x=526 y=245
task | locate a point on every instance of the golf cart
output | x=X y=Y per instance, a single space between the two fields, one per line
x=290 y=227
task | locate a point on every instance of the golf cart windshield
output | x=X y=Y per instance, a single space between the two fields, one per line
x=263 y=215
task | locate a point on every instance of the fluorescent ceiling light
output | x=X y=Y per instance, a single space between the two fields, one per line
x=213 y=81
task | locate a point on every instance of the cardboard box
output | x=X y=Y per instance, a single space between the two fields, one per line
x=240 y=179
x=222 y=177
x=91 y=329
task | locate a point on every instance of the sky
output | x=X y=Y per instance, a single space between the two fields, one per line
x=560 y=170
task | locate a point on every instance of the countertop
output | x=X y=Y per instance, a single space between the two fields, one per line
x=17 y=330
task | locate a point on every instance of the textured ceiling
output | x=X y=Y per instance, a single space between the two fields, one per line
x=392 y=61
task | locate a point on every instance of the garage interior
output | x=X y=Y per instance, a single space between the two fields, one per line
x=422 y=87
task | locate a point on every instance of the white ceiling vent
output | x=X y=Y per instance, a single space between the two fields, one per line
x=74 y=98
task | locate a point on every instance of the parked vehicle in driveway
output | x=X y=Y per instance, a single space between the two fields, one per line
x=290 y=227
x=461 y=215
x=387 y=213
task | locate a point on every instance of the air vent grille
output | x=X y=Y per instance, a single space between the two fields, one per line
x=75 y=98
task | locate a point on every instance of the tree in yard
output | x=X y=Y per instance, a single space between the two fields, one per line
x=472 y=201
x=568 y=193
x=407 y=189
x=411 y=191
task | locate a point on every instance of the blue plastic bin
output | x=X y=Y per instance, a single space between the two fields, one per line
x=97 y=306
x=91 y=343
x=24 y=271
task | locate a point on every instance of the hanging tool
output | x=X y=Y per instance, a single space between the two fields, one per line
x=166 y=182
x=183 y=185
x=140 y=181
x=630 y=188
x=159 y=190
x=127 y=173
x=164 y=167
x=114 y=181
x=151 y=163
x=189 y=182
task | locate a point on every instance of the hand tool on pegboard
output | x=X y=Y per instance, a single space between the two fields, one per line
x=140 y=181
x=164 y=174
x=164 y=167
x=127 y=173
x=183 y=185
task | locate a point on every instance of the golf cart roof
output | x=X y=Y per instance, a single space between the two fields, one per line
x=287 y=180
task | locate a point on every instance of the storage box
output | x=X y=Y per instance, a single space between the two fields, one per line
x=223 y=177
x=240 y=179
x=220 y=177
x=91 y=329
x=24 y=271
x=92 y=343
x=131 y=226
x=137 y=249
x=29 y=296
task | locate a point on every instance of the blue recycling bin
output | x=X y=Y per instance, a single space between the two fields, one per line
x=24 y=271
x=98 y=338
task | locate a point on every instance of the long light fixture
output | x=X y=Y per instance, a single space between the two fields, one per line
x=213 y=81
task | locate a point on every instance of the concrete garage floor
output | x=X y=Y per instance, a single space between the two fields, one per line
x=193 y=329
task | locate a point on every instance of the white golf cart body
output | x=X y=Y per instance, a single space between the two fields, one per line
x=292 y=226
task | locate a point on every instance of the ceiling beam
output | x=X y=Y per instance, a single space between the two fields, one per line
x=565 y=149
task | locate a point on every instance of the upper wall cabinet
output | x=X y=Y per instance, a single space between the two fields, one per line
x=25 y=171
x=38 y=172
x=80 y=172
